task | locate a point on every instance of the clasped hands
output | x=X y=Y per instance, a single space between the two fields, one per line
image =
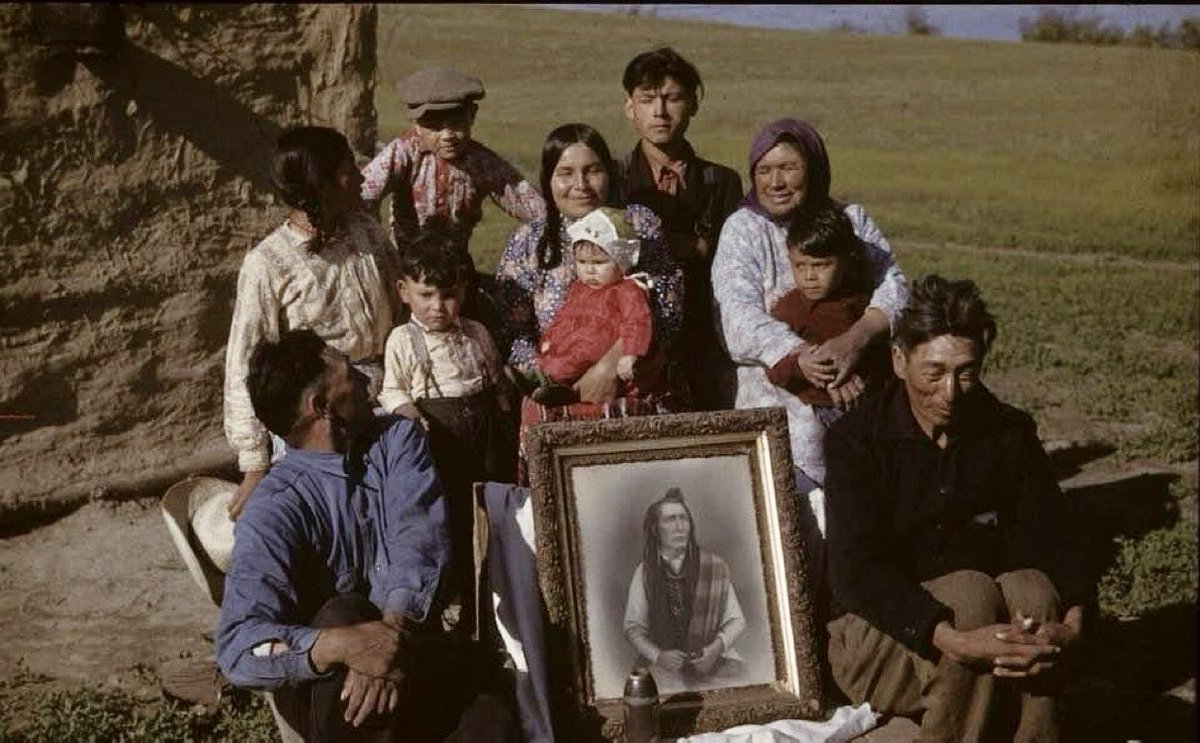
x=830 y=366
x=1020 y=649
x=702 y=662
x=374 y=655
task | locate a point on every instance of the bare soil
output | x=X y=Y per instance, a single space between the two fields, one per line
x=100 y=596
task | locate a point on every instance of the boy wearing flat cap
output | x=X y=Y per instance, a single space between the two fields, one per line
x=436 y=171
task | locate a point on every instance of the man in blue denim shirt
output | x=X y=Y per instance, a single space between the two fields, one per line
x=337 y=560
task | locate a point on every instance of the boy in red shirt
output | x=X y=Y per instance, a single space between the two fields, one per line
x=832 y=292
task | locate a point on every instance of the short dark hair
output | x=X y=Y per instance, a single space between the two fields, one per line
x=653 y=67
x=939 y=306
x=825 y=231
x=434 y=259
x=281 y=372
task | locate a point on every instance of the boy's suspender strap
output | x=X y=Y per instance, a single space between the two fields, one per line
x=421 y=352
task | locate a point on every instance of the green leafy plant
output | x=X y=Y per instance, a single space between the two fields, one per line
x=1151 y=572
x=97 y=715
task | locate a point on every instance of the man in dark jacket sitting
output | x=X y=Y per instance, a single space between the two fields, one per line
x=950 y=550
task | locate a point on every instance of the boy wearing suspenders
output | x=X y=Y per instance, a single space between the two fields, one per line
x=443 y=369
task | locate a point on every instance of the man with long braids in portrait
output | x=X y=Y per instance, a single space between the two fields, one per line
x=682 y=614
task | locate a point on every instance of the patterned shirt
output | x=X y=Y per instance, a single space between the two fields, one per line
x=531 y=297
x=343 y=292
x=749 y=271
x=462 y=361
x=424 y=185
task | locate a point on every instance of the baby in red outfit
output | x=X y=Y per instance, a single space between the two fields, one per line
x=603 y=305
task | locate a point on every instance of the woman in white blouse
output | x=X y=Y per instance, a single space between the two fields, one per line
x=789 y=169
x=328 y=267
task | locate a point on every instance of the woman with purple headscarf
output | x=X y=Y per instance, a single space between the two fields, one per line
x=789 y=170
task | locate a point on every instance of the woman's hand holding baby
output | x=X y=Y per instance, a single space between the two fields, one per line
x=625 y=367
x=816 y=368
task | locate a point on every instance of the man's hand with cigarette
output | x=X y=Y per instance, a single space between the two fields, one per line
x=1025 y=647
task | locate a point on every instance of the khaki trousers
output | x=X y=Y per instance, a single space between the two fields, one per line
x=957 y=703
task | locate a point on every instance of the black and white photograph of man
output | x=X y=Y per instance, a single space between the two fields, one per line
x=697 y=617
x=682 y=614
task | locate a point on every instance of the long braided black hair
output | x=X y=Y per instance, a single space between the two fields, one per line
x=653 y=578
x=306 y=160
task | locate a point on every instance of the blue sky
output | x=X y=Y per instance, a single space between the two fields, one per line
x=999 y=22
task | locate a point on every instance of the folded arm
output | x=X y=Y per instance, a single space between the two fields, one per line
x=413 y=546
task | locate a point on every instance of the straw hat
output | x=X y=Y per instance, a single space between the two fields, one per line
x=197 y=514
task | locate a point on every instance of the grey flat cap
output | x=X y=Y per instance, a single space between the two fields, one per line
x=438 y=88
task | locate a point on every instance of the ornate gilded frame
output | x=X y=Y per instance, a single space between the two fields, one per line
x=553 y=449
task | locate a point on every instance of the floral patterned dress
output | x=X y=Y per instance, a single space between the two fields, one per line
x=530 y=298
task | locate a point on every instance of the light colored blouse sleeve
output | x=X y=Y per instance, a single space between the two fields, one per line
x=397 y=371
x=891 y=287
x=739 y=277
x=733 y=624
x=256 y=313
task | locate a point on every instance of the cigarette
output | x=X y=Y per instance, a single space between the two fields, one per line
x=1027 y=623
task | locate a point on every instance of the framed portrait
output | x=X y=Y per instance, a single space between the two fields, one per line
x=673 y=542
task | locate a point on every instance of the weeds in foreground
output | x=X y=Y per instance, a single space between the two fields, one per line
x=29 y=714
x=1151 y=572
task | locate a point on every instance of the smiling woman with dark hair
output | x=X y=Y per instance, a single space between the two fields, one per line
x=536 y=270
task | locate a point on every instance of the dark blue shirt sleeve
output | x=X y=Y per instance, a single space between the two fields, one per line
x=413 y=546
x=260 y=603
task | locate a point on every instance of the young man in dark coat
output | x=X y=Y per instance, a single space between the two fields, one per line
x=693 y=196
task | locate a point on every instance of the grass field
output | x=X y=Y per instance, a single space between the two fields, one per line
x=1054 y=147
x=1015 y=155
x=1064 y=179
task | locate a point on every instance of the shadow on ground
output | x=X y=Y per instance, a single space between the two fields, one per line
x=1128 y=666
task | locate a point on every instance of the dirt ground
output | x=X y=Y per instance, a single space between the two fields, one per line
x=99 y=595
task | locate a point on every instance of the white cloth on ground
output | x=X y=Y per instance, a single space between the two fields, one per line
x=846 y=723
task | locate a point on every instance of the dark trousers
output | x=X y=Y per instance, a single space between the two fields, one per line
x=472 y=441
x=453 y=691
